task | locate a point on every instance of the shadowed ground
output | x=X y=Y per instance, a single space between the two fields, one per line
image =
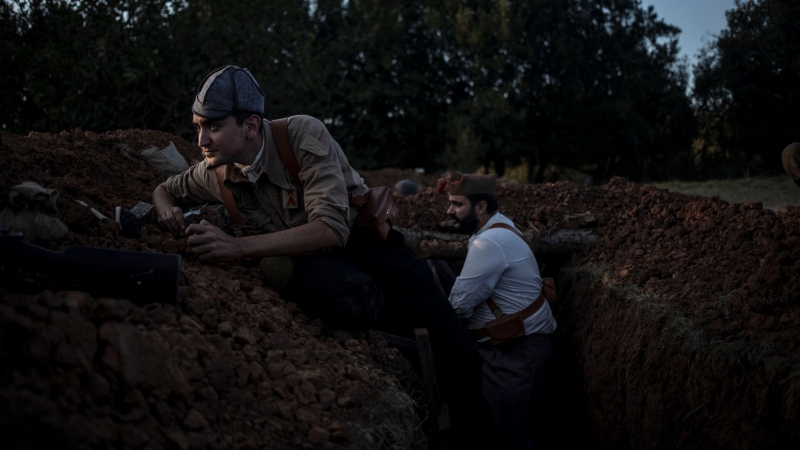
x=776 y=192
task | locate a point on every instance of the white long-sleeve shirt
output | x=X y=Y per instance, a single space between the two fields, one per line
x=500 y=265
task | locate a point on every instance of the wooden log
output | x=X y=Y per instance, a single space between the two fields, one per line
x=579 y=220
x=450 y=246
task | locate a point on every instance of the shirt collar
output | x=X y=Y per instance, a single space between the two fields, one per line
x=492 y=220
x=271 y=163
x=253 y=170
x=496 y=217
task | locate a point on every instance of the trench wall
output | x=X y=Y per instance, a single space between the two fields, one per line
x=650 y=380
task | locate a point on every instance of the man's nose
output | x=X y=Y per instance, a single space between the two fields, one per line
x=451 y=210
x=203 y=139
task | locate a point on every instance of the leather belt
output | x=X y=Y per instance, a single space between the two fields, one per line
x=526 y=312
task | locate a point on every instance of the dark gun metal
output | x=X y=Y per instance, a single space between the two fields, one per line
x=140 y=277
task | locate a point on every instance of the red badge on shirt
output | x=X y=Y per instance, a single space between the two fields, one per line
x=289 y=199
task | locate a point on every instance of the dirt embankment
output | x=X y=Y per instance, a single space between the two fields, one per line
x=684 y=320
x=683 y=323
x=731 y=267
x=236 y=367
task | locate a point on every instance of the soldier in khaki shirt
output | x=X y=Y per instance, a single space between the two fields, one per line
x=271 y=201
x=343 y=277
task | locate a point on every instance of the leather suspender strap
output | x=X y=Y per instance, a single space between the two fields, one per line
x=524 y=314
x=280 y=134
x=227 y=196
x=498 y=313
x=508 y=227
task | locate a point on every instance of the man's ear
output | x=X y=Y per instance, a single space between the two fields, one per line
x=252 y=125
x=480 y=207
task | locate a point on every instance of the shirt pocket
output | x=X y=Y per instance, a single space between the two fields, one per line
x=258 y=217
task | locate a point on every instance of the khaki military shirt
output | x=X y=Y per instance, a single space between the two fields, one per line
x=275 y=202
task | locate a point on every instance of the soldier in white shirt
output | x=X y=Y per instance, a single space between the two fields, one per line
x=501 y=281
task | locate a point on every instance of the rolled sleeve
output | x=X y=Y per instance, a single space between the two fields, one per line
x=195 y=186
x=482 y=269
x=324 y=188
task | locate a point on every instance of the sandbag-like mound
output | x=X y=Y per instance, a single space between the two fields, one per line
x=235 y=367
x=685 y=319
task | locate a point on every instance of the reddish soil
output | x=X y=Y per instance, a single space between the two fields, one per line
x=685 y=319
x=236 y=367
x=683 y=323
x=733 y=268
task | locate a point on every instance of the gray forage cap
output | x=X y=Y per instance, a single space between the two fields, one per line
x=226 y=90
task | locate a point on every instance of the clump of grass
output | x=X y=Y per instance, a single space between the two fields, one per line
x=689 y=339
x=393 y=423
x=649 y=345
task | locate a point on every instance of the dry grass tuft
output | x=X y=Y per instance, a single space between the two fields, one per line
x=774 y=192
x=393 y=423
x=655 y=379
x=764 y=355
x=694 y=340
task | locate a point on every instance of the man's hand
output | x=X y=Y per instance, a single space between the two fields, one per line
x=171 y=218
x=212 y=243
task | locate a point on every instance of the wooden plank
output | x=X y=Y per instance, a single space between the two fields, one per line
x=450 y=246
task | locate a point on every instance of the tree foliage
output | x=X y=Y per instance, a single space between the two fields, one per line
x=589 y=84
x=747 y=88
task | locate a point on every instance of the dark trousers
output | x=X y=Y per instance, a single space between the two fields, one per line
x=384 y=285
x=514 y=379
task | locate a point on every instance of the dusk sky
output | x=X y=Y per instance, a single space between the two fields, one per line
x=697 y=19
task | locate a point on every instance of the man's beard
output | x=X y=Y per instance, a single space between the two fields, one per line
x=469 y=223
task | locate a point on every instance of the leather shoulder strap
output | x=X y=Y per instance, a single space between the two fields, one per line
x=508 y=227
x=280 y=134
x=227 y=196
x=498 y=313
